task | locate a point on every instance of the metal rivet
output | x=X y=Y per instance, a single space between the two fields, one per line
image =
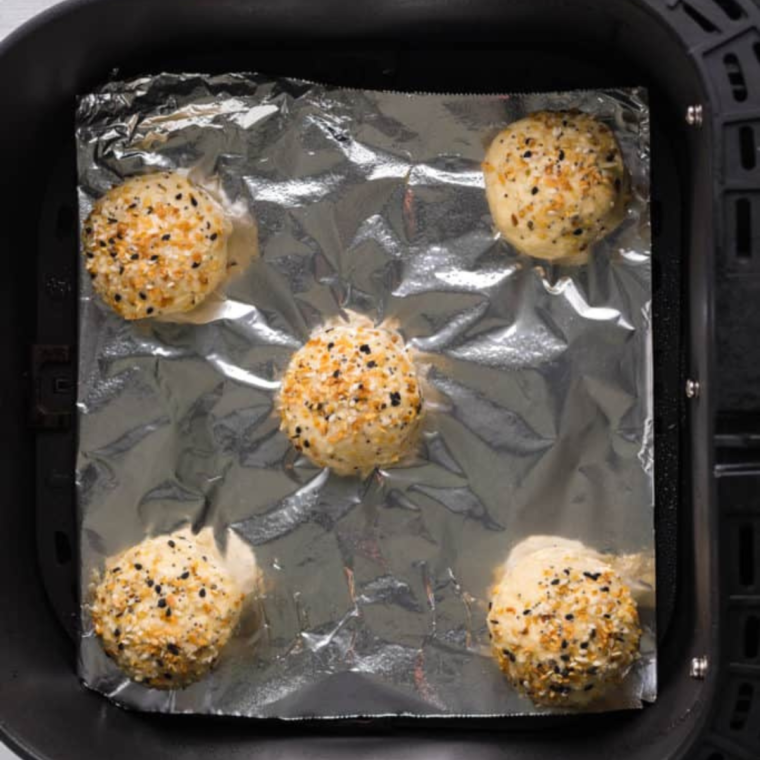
x=692 y=388
x=698 y=667
x=694 y=116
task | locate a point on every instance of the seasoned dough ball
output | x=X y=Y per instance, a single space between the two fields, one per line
x=350 y=398
x=156 y=244
x=563 y=624
x=556 y=184
x=164 y=611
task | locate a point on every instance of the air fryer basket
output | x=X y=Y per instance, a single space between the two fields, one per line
x=699 y=58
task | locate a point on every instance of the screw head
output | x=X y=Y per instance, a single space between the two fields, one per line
x=692 y=388
x=694 y=115
x=698 y=668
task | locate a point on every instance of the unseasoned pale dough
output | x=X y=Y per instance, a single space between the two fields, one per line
x=156 y=244
x=556 y=184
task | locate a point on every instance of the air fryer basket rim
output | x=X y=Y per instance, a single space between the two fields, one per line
x=43 y=711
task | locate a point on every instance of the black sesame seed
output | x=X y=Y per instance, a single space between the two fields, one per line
x=178 y=197
x=562 y=155
x=173 y=649
x=171 y=544
x=135 y=256
x=149 y=310
x=534 y=191
x=117 y=633
x=138 y=566
x=527 y=154
x=196 y=264
x=365 y=349
x=588 y=687
x=213 y=236
x=157 y=589
x=298 y=431
x=564 y=657
x=202 y=593
x=149 y=582
x=592 y=635
x=569 y=616
x=490 y=605
x=121 y=647
x=154 y=257
x=168 y=612
x=372 y=364
x=592 y=671
x=584 y=645
x=185 y=575
x=330 y=346
x=102 y=243
x=193 y=201
x=117 y=297
x=577 y=232
x=611 y=156
x=555 y=582
x=395 y=398
x=526 y=612
x=564 y=643
x=162 y=603
x=167 y=236
x=307 y=444
x=592 y=576
x=336 y=374
x=88 y=230
x=605 y=589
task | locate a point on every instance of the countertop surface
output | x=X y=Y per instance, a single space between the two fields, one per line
x=13 y=13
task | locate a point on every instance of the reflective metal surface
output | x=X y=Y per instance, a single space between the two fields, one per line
x=538 y=384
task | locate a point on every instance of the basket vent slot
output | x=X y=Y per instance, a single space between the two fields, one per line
x=742 y=706
x=701 y=21
x=746 y=555
x=731 y=8
x=751 y=636
x=747 y=149
x=743 y=228
x=735 y=77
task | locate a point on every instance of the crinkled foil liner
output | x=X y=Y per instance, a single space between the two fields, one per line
x=376 y=592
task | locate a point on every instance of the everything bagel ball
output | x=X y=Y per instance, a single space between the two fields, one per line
x=350 y=398
x=556 y=184
x=564 y=626
x=156 y=244
x=164 y=610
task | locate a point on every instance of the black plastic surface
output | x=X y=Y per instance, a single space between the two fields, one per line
x=679 y=50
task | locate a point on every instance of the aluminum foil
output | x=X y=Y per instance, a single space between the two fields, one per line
x=541 y=422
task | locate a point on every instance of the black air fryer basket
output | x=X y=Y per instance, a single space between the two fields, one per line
x=700 y=60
